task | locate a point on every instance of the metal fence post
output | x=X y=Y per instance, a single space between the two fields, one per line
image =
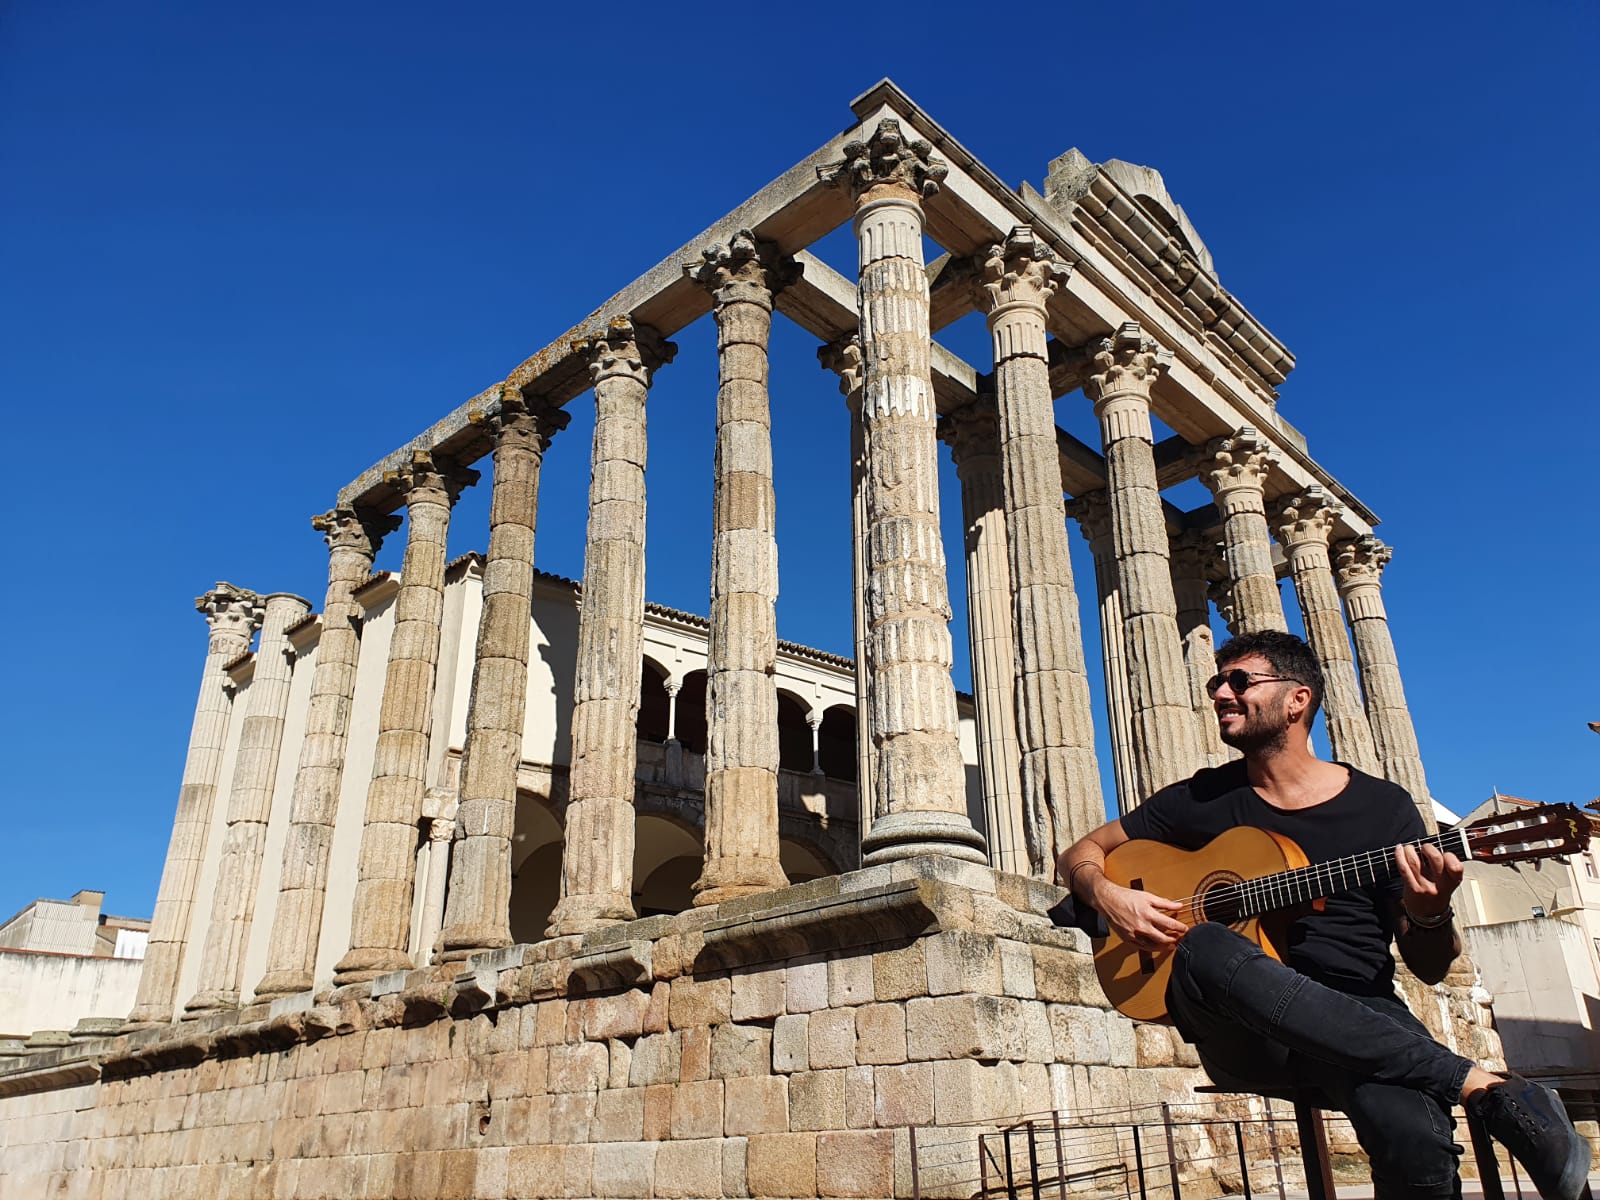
x=1172 y=1150
x=1138 y=1161
x=916 y=1174
x=1244 y=1167
x=1061 y=1158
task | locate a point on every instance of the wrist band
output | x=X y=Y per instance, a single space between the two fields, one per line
x=1073 y=871
x=1444 y=918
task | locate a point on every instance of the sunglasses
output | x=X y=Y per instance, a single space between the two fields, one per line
x=1240 y=681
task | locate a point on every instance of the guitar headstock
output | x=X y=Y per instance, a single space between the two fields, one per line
x=1548 y=831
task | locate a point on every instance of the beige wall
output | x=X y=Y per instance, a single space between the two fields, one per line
x=1539 y=973
x=55 y=991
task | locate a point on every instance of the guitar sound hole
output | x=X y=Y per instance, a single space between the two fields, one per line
x=1220 y=901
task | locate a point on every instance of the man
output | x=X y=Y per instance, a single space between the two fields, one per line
x=1329 y=1018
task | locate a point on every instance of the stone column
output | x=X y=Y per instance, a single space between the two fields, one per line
x=1359 y=562
x=1235 y=469
x=1191 y=551
x=441 y=832
x=380 y=924
x=844 y=358
x=233 y=615
x=478 y=912
x=741 y=795
x=814 y=723
x=597 y=860
x=672 y=687
x=920 y=803
x=353 y=538
x=255 y=775
x=1092 y=510
x=1302 y=523
x=973 y=434
x=1060 y=777
x=1165 y=746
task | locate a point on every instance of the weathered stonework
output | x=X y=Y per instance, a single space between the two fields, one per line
x=741 y=789
x=1060 y=777
x=233 y=615
x=353 y=539
x=1302 y=524
x=255 y=773
x=597 y=869
x=480 y=895
x=1235 y=468
x=380 y=927
x=1016 y=833
x=1359 y=563
x=920 y=802
x=1165 y=749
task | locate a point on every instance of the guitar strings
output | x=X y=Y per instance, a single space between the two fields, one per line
x=1281 y=886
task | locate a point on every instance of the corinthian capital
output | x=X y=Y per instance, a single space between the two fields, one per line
x=1194 y=555
x=1020 y=270
x=1306 y=516
x=231 y=611
x=1092 y=511
x=528 y=420
x=1127 y=361
x=629 y=350
x=431 y=476
x=972 y=430
x=1359 y=562
x=345 y=528
x=843 y=358
x=1240 y=460
x=745 y=269
x=886 y=159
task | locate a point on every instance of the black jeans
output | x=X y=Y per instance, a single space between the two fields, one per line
x=1260 y=1026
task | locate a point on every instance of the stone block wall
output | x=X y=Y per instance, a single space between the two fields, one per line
x=780 y=1045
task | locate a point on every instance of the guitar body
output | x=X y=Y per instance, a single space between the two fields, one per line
x=1134 y=980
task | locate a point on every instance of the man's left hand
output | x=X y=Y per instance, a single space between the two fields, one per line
x=1431 y=876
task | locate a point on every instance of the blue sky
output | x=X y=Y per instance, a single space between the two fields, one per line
x=245 y=253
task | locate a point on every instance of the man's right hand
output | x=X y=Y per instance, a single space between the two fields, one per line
x=1141 y=919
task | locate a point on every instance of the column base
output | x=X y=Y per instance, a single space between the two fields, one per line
x=211 y=1001
x=362 y=965
x=460 y=942
x=731 y=878
x=899 y=835
x=580 y=914
x=283 y=983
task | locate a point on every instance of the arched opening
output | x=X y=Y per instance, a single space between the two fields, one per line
x=536 y=867
x=836 y=743
x=653 y=703
x=794 y=734
x=667 y=858
x=692 y=713
x=801 y=863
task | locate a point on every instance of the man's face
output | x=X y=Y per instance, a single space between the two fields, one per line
x=1257 y=717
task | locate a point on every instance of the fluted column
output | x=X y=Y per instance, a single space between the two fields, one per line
x=441 y=833
x=597 y=857
x=1123 y=368
x=255 y=775
x=478 y=912
x=1191 y=551
x=920 y=804
x=1060 y=777
x=1302 y=524
x=843 y=357
x=1235 y=469
x=1092 y=511
x=741 y=795
x=233 y=615
x=973 y=434
x=380 y=925
x=353 y=538
x=1359 y=563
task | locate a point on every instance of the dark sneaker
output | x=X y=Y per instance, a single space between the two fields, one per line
x=1530 y=1121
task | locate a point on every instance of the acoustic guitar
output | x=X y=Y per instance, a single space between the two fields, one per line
x=1252 y=880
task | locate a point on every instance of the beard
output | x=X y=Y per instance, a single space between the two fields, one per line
x=1264 y=730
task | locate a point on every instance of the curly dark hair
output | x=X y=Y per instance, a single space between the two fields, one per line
x=1289 y=656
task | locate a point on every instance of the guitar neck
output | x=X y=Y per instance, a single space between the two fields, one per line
x=1286 y=889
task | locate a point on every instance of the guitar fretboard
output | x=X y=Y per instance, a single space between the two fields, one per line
x=1268 y=893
